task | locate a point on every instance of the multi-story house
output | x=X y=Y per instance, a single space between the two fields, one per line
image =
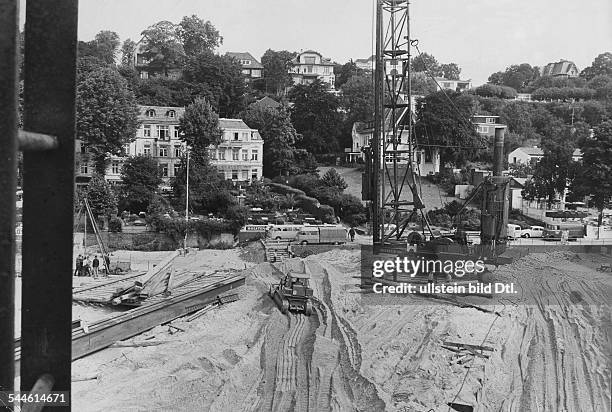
x=251 y=68
x=239 y=156
x=562 y=68
x=530 y=155
x=486 y=125
x=310 y=65
x=366 y=64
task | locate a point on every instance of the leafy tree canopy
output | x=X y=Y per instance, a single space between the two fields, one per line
x=332 y=179
x=358 y=98
x=517 y=76
x=199 y=128
x=101 y=197
x=162 y=46
x=103 y=47
x=106 y=114
x=601 y=66
x=197 y=35
x=276 y=65
x=140 y=180
x=344 y=72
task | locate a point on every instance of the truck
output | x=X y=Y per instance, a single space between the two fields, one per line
x=554 y=231
x=318 y=235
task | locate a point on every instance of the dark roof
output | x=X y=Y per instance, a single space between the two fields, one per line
x=245 y=56
x=266 y=102
x=232 y=124
x=559 y=68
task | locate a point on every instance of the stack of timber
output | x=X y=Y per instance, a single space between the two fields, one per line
x=277 y=250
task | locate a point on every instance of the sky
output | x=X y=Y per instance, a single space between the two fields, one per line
x=481 y=36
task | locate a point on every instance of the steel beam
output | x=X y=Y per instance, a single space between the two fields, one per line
x=48 y=190
x=9 y=18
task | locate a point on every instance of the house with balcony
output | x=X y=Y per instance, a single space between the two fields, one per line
x=239 y=156
x=366 y=64
x=251 y=68
x=310 y=65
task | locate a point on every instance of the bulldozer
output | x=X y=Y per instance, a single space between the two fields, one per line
x=293 y=293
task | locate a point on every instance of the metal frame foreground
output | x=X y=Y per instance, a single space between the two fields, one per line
x=48 y=190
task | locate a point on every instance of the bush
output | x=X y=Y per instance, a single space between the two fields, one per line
x=284 y=189
x=115 y=224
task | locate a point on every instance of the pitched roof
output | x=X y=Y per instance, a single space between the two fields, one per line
x=532 y=151
x=266 y=102
x=559 y=68
x=245 y=56
x=232 y=124
x=367 y=60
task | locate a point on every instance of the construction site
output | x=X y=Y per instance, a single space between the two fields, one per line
x=278 y=325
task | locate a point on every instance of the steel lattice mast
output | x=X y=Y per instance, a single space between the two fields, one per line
x=395 y=198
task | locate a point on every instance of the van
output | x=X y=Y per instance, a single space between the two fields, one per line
x=554 y=231
x=284 y=232
x=317 y=235
x=514 y=231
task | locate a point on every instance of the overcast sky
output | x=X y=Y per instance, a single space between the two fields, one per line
x=482 y=36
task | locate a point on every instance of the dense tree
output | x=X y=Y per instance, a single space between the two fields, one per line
x=160 y=91
x=332 y=178
x=344 y=72
x=162 y=46
x=140 y=180
x=595 y=178
x=315 y=116
x=426 y=63
x=602 y=85
x=101 y=197
x=564 y=94
x=127 y=52
x=601 y=66
x=450 y=71
x=279 y=136
x=223 y=79
x=445 y=123
x=103 y=47
x=276 y=65
x=422 y=84
x=198 y=36
x=517 y=76
x=357 y=98
x=199 y=128
x=552 y=173
x=106 y=114
x=492 y=90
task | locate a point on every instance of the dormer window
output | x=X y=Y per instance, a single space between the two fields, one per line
x=150 y=113
x=171 y=113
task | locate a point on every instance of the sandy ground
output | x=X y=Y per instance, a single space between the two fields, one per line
x=550 y=351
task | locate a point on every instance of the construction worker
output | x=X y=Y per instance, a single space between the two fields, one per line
x=86 y=271
x=352 y=234
x=107 y=261
x=95 y=264
x=78 y=271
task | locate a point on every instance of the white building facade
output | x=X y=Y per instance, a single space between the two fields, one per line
x=310 y=65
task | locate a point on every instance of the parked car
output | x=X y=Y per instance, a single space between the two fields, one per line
x=139 y=222
x=533 y=231
x=514 y=231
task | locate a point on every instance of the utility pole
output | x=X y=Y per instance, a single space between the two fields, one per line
x=187 y=200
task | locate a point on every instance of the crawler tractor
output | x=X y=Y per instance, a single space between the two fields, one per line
x=293 y=293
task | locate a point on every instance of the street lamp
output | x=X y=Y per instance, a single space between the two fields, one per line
x=186 y=200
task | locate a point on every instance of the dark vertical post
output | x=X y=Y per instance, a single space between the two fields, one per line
x=378 y=118
x=498 y=152
x=9 y=14
x=48 y=190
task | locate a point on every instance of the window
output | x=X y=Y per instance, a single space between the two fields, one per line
x=176 y=132
x=514 y=160
x=146 y=150
x=309 y=60
x=254 y=154
x=163 y=132
x=84 y=169
x=245 y=175
x=236 y=154
x=146 y=130
x=144 y=75
x=308 y=69
x=150 y=113
x=246 y=71
x=163 y=151
x=446 y=85
x=212 y=153
x=245 y=154
x=115 y=168
x=222 y=154
x=245 y=62
x=254 y=174
x=235 y=135
x=171 y=113
x=126 y=150
x=234 y=174
x=483 y=129
x=490 y=120
x=177 y=169
x=326 y=70
x=83 y=148
x=164 y=168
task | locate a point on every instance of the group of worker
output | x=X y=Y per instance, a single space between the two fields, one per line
x=85 y=266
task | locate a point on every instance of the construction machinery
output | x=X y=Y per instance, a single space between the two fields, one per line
x=293 y=293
